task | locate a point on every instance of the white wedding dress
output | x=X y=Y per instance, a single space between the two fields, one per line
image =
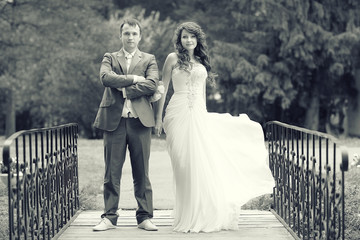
x=219 y=161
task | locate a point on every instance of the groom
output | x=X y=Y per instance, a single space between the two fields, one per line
x=125 y=115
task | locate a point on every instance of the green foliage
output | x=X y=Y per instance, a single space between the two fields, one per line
x=43 y=53
x=286 y=50
x=52 y=57
x=274 y=58
x=263 y=202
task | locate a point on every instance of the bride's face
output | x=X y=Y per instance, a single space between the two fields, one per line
x=188 y=40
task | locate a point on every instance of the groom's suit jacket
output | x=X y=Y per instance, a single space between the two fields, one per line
x=114 y=76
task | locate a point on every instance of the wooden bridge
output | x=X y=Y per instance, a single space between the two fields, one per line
x=308 y=196
x=253 y=224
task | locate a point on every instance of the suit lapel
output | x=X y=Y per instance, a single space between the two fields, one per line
x=136 y=59
x=121 y=59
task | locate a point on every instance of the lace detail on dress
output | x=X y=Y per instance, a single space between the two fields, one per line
x=191 y=85
x=194 y=82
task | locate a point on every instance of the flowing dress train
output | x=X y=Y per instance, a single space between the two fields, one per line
x=219 y=161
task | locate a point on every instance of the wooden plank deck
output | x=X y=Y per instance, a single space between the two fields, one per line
x=253 y=224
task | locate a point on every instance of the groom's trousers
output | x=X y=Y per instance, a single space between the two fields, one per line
x=132 y=134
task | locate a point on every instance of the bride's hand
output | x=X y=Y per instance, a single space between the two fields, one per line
x=158 y=128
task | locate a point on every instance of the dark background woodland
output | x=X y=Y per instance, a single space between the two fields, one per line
x=295 y=61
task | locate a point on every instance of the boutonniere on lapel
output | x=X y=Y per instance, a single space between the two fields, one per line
x=159 y=92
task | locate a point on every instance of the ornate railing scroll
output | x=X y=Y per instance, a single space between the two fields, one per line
x=42 y=172
x=309 y=191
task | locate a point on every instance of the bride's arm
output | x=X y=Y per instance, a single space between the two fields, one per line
x=205 y=93
x=166 y=78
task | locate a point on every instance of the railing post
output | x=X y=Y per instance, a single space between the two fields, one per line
x=43 y=164
x=305 y=194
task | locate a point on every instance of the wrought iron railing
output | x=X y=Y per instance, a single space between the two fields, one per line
x=309 y=190
x=41 y=167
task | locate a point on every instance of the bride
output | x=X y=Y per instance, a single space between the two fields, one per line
x=218 y=161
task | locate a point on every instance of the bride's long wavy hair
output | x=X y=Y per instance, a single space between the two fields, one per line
x=200 y=51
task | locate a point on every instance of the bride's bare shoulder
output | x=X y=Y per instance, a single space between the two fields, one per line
x=172 y=57
x=171 y=60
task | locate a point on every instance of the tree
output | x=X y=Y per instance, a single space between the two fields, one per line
x=52 y=54
x=6 y=72
x=318 y=48
x=276 y=59
x=38 y=37
x=281 y=56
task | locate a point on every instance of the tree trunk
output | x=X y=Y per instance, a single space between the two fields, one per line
x=228 y=101
x=312 y=113
x=10 y=102
x=10 y=114
x=236 y=109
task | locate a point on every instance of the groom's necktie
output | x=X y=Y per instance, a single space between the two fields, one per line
x=128 y=58
x=128 y=110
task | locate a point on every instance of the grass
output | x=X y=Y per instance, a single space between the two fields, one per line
x=4 y=218
x=91 y=167
x=352 y=204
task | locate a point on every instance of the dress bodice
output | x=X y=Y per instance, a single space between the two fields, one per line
x=191 y=82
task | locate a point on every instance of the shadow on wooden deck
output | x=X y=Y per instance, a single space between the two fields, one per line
x=253 y=224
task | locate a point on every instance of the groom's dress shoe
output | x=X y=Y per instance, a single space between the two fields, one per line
x=105 y=224
x=147 y=225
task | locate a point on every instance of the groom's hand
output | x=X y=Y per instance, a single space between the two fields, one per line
x=158 y=128
x=139 y=79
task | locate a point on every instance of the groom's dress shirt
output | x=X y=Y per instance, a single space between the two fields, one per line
x=128 y=110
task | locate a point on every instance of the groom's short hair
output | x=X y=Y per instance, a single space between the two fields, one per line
x=132 y=22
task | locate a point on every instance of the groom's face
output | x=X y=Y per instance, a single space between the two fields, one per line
x=130 y=37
